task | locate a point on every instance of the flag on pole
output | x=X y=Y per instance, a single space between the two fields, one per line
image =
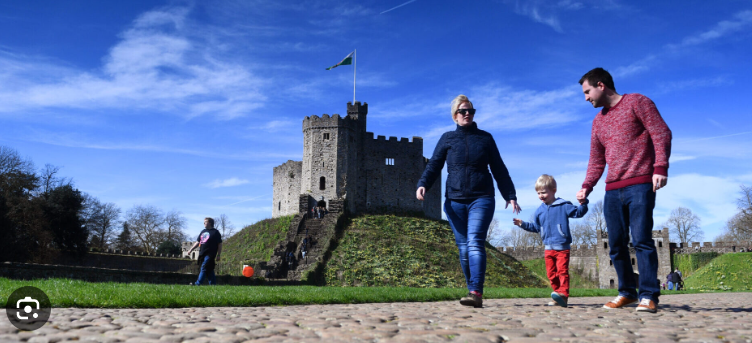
x=346 y=61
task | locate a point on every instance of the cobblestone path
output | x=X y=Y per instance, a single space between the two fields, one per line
x=718 y=317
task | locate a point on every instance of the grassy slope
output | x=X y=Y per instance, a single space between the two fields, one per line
x=254 y=242
x=688 y=264
x=538 y=266
x=725 y=272
x=388 y=250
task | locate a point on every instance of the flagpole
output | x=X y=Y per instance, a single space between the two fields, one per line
x=355 y=64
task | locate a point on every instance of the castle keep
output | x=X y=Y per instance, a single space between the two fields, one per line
x=342 y=162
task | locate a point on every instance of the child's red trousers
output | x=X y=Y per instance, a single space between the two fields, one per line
x=557 y=269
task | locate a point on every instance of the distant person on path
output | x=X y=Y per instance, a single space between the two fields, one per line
x=551 y=220
x=630 y=136
x=468 y=153
x=210 y=241
x=670 y=281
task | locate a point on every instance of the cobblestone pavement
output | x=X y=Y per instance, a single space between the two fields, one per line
x=718 y=317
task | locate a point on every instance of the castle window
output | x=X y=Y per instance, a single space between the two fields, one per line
x=326 y=136
x=322 y=183
x=390 y=161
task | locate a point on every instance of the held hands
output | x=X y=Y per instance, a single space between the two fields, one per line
x=582 y=196
x=420 y=193
x=659 y=181
x=517 y=222
x=515 y=208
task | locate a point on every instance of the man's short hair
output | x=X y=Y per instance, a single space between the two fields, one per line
x=545 y=181
x=599 y=75
x=211 y=220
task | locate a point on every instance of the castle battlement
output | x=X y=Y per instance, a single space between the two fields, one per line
x=326 y=121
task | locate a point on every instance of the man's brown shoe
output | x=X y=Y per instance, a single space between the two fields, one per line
x=647 y=305
x=619 y=302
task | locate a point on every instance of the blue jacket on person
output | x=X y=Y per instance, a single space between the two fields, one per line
x=468 y=153
x=552 y=221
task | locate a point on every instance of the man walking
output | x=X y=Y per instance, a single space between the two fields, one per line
x=210 y=241
x=630 y=136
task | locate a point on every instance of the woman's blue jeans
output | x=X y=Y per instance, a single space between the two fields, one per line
x=630 y=210
x=470 y=220
x=206 y=275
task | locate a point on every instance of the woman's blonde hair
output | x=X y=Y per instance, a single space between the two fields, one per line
x=545 y=181
x=456 y=104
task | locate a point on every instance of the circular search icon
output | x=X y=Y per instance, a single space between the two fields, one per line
x=28 y=308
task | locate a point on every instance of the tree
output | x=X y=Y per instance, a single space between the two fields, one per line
x=225 y=227
x=102 y=220
x=519 y=238
x=62 y=206
x=583 y=233
x=174 y=225
x=150 y=227
x=124 y=241
x=684 y=225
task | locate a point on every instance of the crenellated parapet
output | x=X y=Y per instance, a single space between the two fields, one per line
x=717 y=247
x=329 y=122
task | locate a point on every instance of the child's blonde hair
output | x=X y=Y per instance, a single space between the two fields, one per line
x=545 y=181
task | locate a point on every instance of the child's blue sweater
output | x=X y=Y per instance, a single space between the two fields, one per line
x=552 y=221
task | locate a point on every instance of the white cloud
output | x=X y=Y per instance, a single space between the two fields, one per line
x=158 y=64
x=231 y=182
x=740 y=21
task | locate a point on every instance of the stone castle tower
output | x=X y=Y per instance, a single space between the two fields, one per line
x=343 y=162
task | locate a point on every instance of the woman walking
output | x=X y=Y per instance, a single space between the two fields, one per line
x=469 y=207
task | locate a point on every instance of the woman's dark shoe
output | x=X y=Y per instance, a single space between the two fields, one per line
x=472 y=299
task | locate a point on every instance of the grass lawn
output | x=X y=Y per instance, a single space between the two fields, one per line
x=74 y=293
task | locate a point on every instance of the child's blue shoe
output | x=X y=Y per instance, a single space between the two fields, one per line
x=559 y=299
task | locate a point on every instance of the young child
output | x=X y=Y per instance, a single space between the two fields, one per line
x=551 y=220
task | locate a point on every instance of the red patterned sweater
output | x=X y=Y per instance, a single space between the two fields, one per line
x=632 y=139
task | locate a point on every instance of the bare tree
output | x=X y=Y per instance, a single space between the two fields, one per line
x=174 y=226
x=519 y=238
x=583 y=233
x=684 y=225
x=595 y=217
x=225 y=227
x=146 y=226
x=102 y=220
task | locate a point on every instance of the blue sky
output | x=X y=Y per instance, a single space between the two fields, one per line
x=189 y=105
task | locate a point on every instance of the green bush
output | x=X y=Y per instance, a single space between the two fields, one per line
x=395 y=251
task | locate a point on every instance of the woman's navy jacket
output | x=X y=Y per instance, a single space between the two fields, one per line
x=468 y=152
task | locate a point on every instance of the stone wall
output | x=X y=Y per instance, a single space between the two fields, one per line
x=30 y=271
x=140 y=262
x=287 y=181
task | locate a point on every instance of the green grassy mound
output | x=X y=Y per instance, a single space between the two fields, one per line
x=254 y=242
x=726 y=272
x=688 y=264
x=538 y=266
x=394 y=251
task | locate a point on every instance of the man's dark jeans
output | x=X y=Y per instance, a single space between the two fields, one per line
x=206 y=275
x=631 y=209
